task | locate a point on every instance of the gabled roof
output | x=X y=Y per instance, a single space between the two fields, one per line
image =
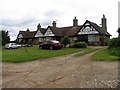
x=98 y=28
x=62 y=31
x=42 y=30
x=55 y=30
x=27 y=34
x=70 y=30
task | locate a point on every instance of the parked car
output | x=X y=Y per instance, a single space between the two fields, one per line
x=12 y=46
x=52 y=44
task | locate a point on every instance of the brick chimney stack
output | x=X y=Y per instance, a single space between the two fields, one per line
x=54 y=23
x=27 y=30
x=38 y=26
x=104 y=23
x=75 y=22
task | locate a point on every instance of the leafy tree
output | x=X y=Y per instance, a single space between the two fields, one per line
x=5 y=37
x=119 y=31
x=65 y=40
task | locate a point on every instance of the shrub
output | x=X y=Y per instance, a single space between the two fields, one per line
x=115 y=51
x=114 y=42
x=65 y=40
x=114 y=46
x=79 y=45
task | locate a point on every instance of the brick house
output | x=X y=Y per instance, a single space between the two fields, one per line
x=92 y=33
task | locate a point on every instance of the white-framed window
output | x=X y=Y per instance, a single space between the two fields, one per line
x=20 y=40
x=91 y=38
x=87 y=28
x=75 y=38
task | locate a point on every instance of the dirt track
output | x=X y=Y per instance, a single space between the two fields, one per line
x=61 y=72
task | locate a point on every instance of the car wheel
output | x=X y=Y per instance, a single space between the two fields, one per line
x=51 y=47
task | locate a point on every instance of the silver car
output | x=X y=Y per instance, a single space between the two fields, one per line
x=12 y=46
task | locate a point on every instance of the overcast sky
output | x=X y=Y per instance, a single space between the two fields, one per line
x=18 y=15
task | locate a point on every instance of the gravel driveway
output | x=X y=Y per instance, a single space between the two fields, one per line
x=61 y=72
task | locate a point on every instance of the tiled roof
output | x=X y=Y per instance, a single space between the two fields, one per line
x=70 y=30
x=27 y=34
x=56 y=30
x=43 y=30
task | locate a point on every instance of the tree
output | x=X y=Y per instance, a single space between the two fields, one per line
x=65 y=40
x=5 y=37
x=118 y=31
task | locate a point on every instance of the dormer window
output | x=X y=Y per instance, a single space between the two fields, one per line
x=87 y=29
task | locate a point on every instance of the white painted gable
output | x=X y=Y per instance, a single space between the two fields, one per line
x=87 y=24
x=49 y=33
x=38 y=34
x=88 y=30
x=20 y=36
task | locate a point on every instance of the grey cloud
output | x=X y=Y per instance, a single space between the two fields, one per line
x=52 y=13
x=50 y=16
x=17 y=22
x=45 y=23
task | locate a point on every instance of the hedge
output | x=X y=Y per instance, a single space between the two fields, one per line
x=79 y=45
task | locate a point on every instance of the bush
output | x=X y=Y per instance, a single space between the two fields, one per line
x=114 y=46
x=115 y=51
x=79 y=45
x=65 y=40
x=114 y=42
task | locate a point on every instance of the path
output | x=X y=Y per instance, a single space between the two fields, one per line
x=63 y=71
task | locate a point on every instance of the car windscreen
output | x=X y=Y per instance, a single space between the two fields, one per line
x=55 y=41
x=7 y=45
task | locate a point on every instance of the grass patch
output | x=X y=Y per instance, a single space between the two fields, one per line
x=86 y=51
x=104 y=55
x=33 y=53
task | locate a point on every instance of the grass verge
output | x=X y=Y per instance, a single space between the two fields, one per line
x=86 y=51
x=33 y=53
x=104 y=55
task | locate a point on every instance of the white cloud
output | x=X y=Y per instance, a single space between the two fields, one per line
x=21 y=14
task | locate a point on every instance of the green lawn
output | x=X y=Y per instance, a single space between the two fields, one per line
x=33 y=53
x=104 y=55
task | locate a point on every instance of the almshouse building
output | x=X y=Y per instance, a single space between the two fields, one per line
x=89 y=32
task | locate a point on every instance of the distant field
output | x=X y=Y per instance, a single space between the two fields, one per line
x=33 y=53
